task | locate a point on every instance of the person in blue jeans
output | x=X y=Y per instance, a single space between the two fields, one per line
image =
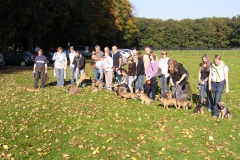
x=218 y=79
x=203 y=74
x=139 y=74
x=72 y=68
x=97 y=55
x=164 y=78
x=79 y=65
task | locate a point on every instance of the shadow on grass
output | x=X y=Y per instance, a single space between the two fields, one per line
x=15 y=69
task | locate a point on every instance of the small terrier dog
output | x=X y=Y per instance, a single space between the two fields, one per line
x=200 y=106
x=71 y=90
x=144 y=98
x=169 y=94
x=82 y=77
x=126 y=95
x=224 y=111
x=96 y=86
x=30 y=89
x=184 y=104
x=168 y=101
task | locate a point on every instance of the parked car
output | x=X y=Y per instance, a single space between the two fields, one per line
x=49 y=56
x=125 y=54
x=2 y=61
x=84 y=50
x=21 y=58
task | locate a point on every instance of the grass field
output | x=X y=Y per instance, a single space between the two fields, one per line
x=51 y=124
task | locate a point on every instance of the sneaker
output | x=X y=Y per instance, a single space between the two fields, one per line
x=214 y=117
x=209 y=110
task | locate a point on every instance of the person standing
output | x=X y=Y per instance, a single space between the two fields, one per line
x=117 y=60
x=72 y=68
x=40 y=68
x=218 y=79
x=146 y=57
x=135 y=55
x=177 y=77
x=131 y=72
x=60 y=66
x=97 y=55
x=107 y=67
x=79 y=65
x=139 y=74
x=164 y=78
x=151 y=76
x=203 y=74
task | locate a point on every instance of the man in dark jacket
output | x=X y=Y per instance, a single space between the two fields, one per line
x=79 y=65
x=40 y=68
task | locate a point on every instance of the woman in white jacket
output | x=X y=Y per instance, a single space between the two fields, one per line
x=164 y=78
x=107 y=68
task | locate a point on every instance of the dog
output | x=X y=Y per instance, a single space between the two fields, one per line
x=82 y=77
x=96 y=86
x=168 y=101
x=126 y=95
x=200 y=106
x=169 y=94
x=184 y=104
x=144 y=98
x=224 y=111
x=30 y=89
x=95 y=89
x=187 y=92
x=71 y=90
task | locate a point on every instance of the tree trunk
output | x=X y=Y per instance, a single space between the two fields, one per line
x=30 y=48
x=4 y=42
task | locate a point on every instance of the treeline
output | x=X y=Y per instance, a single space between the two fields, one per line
x=25 y=24
x=187 y=33
x=51 y=23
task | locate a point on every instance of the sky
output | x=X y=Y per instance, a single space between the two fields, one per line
x=182 y=9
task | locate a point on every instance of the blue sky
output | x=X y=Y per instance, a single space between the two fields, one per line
x=181 y=9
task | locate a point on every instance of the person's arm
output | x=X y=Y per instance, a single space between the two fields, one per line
x=120 y=62
x=54 y=57
x=209 y=78
x=34 y=67
x=65 y=63
x=226 y=79
x=182 y=72
x=181 y=79
x=199 y=75
x=45 y=67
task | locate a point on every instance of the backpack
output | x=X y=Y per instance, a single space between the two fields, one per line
x=187 y=76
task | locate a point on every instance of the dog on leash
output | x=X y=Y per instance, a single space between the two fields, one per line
x=169 y=94
x=200 y=106
x=30 y=89
x=126 y=95
x=144 y=98
x=168 y=101
x=185 y=104
x=82 y=77
x=71 y=90
x=224 y=111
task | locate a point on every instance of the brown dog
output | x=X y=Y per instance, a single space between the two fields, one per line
x=168 y=101
x=71 y=90
x=184 y=104
x=30 y=89
x=224 y=111
x=127 y=95
x=169 y=94
x=82 y=77
x=200 y=106
x=144 y=98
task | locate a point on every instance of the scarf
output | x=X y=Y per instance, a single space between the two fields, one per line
x=218 y=68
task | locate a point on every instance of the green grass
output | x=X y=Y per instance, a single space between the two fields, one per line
x=51 y=124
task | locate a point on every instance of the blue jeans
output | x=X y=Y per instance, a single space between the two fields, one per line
x=60 y=76
x=72 y=70
x=203 y=90
x=77 y=76
x=130 y=81
x=164 y=82
x=96 y=74
x=217 y=89
x=177 y=91
x=115 y=73
x=139 y=83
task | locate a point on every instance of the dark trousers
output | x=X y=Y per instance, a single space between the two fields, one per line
x=39 y=75
x=150 y=89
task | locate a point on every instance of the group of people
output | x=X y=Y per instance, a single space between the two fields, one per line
x=108 y=68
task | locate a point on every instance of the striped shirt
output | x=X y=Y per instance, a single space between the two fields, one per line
x=40 y=61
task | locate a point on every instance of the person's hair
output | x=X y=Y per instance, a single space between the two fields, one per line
x=108 y=50
x=77 y=52
x=120 y=69
x=97 y=46
x=153 y=55
x=134 y=48
x=124 y=70
x=147 y=47
x=40 y=50
x=163 y=52
x=217 y=57
x=173 y=66
x=59 y=48
x=130 y=58
x=71 y=47
x=92 y=63
x=205 y=55
x=140 y=56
